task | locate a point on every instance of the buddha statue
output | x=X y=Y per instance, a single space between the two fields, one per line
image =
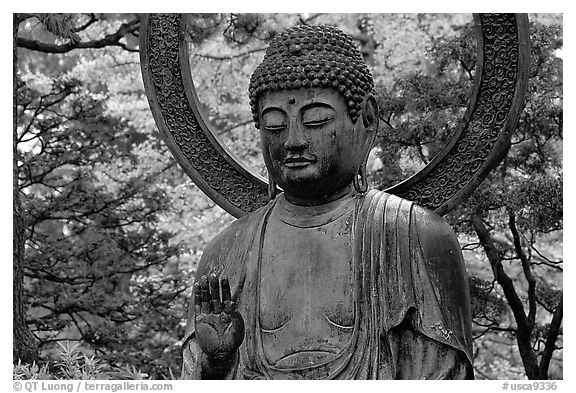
x=329 y=280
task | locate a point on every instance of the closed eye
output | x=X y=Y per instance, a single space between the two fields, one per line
x=317 y=123
x=317 y=114
x=273 y=119
x=274 y=127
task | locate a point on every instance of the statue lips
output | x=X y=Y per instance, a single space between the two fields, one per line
x=298 y=162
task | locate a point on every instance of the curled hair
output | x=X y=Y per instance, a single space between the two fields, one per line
x=312 y=56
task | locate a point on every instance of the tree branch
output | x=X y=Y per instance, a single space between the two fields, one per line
x=550 y=346
x=230 y=57
x=523 y=336
x=90 y=21
x=109 y=40
x=229 y=129
x=497 y=269
x=525 y=267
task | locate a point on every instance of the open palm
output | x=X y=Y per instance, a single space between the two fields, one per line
x=219 y=326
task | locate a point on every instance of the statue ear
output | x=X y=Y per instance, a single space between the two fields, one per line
x=370 y=118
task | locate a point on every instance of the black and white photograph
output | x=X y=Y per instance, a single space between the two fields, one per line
x=287 y=196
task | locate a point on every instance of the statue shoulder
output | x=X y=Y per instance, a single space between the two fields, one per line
x=431 y=227
x=438 y=242
x=428 y=230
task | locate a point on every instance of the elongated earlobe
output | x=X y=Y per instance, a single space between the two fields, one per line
x=370 y=125
x=360 y=180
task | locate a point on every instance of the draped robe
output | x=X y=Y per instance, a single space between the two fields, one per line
x=411 y=297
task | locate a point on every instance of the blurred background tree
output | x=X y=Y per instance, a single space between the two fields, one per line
x=110 y=230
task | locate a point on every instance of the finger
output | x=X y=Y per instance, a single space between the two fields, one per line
x=215 y=293
x=197 y=298
x=226 y=290
x=229 y=305
x=206 y=306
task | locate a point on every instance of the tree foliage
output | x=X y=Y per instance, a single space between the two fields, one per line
x=94 y=188
x=113 y=230
x=515 y=216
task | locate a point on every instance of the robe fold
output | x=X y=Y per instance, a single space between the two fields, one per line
x=411 y=300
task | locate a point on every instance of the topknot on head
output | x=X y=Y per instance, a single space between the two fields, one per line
x=312 y=56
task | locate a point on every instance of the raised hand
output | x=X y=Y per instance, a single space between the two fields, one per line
x=219 y=327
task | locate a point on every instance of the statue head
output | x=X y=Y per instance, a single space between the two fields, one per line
x=311 y=98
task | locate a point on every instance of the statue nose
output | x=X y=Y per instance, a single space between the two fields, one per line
x=295 y=140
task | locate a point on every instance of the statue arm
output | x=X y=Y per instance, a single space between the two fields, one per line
x=435 y=341
x=214 y=327
x=419 y=357
x=191 y=353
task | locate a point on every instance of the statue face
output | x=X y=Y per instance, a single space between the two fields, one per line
x=309 y=143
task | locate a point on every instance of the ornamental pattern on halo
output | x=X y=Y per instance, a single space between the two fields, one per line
x=182 y=124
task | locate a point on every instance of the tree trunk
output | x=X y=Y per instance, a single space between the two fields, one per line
x=25 y=347
x=524 y=327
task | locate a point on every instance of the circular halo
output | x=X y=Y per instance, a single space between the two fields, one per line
x=481 y=141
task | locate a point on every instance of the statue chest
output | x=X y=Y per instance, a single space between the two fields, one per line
x=306 y=304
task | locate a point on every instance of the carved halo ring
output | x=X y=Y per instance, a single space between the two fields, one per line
x=481 y=141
